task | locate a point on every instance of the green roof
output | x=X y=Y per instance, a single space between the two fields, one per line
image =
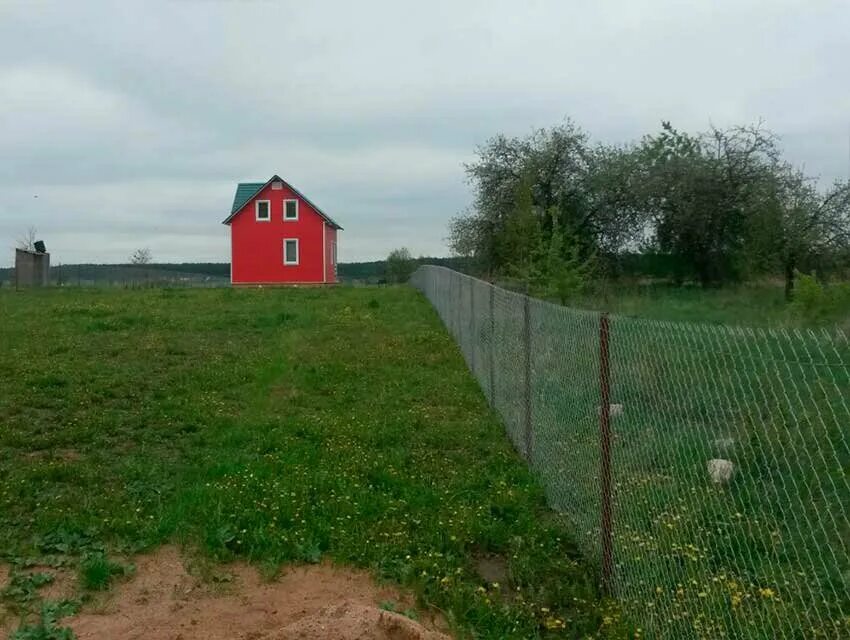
x=247 y=190
x=244 y=192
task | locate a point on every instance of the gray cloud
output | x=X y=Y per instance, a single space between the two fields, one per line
x=132 y=121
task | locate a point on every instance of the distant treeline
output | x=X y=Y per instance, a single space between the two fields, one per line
x=116 y=274
x=205 y=272
x=376 y=270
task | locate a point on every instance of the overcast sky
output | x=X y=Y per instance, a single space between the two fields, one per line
x=133 y=121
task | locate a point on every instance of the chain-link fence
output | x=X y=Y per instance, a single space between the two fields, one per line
x=705 y=468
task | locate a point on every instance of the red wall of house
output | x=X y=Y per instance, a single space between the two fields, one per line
x=330 y=267
x=257 y=247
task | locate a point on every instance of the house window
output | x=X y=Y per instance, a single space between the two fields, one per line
x=290 y=251
x=277 y=186
x=290 y=209
x=263 y=209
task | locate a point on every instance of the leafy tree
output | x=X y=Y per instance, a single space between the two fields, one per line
x=400 y=266
x=552 y=172
x=699 y=190
x=805 y=228
x=619 y=218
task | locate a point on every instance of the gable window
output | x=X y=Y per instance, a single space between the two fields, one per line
x=290 y=209
x=290 y=251
x=263 y=210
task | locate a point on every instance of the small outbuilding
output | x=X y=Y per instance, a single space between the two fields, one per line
x=32 y=267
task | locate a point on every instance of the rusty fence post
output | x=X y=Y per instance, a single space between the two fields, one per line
x=526 y=334
x=605 y=454
x=492 y=345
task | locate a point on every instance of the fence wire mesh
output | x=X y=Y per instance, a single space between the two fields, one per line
x=729 y=455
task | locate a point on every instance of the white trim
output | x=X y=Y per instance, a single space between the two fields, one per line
x=257 y=210
x=295 y=219
x=324 y=253
x=297 y=252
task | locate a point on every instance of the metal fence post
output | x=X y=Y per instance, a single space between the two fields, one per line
x=492 y=345
x=605 y=454
x=455 y=310
x=472 y=333
x=526 y=331
x=461 y=338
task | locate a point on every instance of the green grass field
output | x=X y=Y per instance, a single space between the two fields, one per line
x=277 y=426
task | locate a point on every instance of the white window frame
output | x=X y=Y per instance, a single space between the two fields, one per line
x=295 y=219
x=257 y=211
x=289 y=263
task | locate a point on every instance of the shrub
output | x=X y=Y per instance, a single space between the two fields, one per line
x=817 y=303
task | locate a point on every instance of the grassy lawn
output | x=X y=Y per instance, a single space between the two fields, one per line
x=277 y=426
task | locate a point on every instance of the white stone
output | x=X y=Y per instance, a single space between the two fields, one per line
x=720 y=470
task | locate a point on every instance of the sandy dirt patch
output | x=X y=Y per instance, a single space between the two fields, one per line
x=350 y=621
x=63 y=585
x=162 y=600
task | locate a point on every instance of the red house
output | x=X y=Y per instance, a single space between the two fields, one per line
x=277 y=236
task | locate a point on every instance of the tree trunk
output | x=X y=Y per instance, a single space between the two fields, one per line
x=790 y=274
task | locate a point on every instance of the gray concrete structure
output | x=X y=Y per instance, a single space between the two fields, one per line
x=32 y=268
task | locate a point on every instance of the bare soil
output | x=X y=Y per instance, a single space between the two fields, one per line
x=64 y=585
x=163 y=600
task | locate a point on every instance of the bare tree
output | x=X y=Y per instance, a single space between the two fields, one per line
x=141 y=256
x=27 y=241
